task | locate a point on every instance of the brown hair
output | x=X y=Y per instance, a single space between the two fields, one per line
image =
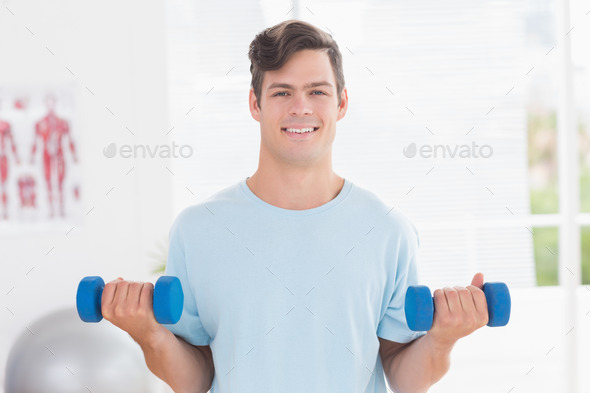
x=273 y=47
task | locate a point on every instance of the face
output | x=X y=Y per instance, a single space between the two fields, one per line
x=300 y=95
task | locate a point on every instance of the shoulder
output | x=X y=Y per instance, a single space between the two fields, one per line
x=393 y=217
x=205 y=210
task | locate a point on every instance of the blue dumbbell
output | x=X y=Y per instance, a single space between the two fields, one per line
x=168 y=299
x=419 y=305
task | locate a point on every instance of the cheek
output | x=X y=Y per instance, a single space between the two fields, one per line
x=270 y=114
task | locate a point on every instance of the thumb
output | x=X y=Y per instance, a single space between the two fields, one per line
x=478 y=280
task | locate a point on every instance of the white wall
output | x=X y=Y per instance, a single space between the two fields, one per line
x=529 y=354
x=116 y=54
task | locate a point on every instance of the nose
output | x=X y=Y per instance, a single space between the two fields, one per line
x=301 y=105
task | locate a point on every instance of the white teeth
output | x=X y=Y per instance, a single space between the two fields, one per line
x=300 y=131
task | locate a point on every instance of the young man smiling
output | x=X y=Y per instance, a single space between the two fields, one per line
x=295 y=164
x=295 y=278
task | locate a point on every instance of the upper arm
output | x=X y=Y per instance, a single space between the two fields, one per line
x=206 y=351
x=388 y=350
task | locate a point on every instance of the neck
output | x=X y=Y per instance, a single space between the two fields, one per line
x=295 y=188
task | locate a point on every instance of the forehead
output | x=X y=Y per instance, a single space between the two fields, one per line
x=304 y=69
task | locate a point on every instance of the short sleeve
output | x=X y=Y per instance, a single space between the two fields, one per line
x=393 y=325
x=189 y=327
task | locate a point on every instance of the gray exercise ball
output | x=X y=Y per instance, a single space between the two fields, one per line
x=61 y=354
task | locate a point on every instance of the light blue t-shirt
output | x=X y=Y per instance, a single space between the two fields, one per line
x=292 y=301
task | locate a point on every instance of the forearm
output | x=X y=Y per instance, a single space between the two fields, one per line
x=418 y=366
x=181 y=365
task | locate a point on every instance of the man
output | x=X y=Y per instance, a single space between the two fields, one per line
x=294 y=277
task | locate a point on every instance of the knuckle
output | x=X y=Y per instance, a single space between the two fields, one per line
x=481 y=303
x=463 y=291
x=444 y=320
x=142 y=312
x=449 y=320
x=473 y=322
x=119 y=311
x=452 y=292
x=475 y=291
x=485 y=318
x=107 y=313
x=450 y=295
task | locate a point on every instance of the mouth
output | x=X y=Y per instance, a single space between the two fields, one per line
x=299 y=131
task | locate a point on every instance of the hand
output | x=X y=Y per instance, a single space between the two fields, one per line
x=129 y=306
x=459 y=312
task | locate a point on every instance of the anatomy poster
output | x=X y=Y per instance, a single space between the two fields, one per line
x=39 y=158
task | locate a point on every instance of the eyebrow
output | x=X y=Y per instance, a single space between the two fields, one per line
x=307 y=86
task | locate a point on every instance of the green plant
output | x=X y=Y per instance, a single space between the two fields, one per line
x=160 y=256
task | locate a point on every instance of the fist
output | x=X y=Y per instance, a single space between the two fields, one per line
x=129 y=306
x=459 y=311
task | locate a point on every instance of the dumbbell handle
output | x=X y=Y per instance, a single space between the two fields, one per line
x=419 y=305
x=168 y=299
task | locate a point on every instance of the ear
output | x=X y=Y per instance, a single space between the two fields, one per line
x=253 y=104
x=343 y=104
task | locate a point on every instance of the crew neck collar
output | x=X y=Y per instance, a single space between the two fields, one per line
x=342 y=195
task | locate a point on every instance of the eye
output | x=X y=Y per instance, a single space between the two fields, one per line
x=280 y=92
x=319 y=91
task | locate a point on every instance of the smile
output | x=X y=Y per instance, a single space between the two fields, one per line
x=300 y=130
